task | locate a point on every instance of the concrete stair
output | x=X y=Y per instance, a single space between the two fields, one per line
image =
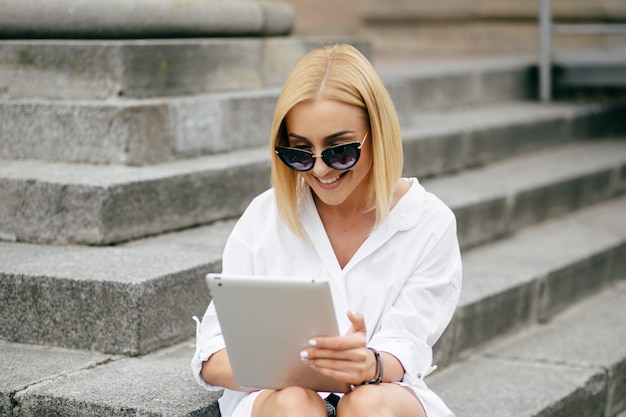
x=103 y=258
x=573 y=365
x=103 y=204
x=156 y=280
x=514 y=289
x=590 y=70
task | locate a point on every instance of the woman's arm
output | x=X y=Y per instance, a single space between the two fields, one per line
x=217 y=371
x=392 y=368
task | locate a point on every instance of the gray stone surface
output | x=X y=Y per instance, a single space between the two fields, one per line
x=143 y=19
x=86 y=132
x=106 y=69
x=495 y=387
x=136 y=132
x=139 y=296
x=159 y=384
x=572 y=365
x=98 y=204
x=436 y=86
x=103 y=204
x=26 y=365
x=128 y=299
x=590 y=69
x=556 y=369
x=599 y=332
x=503 y=197
x=534 y=275
x=131 y=132
x=447 y=141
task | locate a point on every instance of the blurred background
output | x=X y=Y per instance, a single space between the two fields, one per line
x=455 y=29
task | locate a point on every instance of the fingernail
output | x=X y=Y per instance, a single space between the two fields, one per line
x=304 y=355
x=312 y=342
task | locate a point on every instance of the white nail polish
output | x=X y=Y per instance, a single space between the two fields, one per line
x=312 y=342
x=304 y=355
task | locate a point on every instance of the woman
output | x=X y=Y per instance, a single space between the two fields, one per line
x=340 y=209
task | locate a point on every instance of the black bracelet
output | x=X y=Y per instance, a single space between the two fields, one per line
x=378 y=378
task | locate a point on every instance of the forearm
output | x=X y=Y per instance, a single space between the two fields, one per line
x=393 y=371
x=217 y=371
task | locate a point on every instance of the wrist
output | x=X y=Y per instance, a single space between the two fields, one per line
x=378 y=369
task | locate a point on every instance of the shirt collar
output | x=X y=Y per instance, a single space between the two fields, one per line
x=404 y=216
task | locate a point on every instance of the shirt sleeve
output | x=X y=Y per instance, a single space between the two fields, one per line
x=424 y=306
x=209 y=339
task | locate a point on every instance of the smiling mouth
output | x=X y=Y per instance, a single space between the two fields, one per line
x=330 y=180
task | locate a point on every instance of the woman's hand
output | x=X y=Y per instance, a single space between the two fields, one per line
x=345 y=358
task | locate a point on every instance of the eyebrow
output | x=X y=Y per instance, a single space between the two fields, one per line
x=331 y=136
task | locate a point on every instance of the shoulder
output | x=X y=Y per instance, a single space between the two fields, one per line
x=418 y=209
x=261 y=205
x=435 y=209
x=260 y=218
x=252 y=224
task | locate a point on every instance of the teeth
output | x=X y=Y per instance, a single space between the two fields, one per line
x=330 y=180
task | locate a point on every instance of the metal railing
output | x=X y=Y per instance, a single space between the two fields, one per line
x=547 y=29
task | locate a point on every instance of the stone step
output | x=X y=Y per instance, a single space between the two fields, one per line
x=102 y=204
x=69 y=70
x=146 y=290
x=39 y=380
x=109 y=129
x=574 y=364
x=588 y=70
x=129 y=299
x=449 y=30
x=442 y=142
x=545 y=368
x=135 y=132
x=115 y=278
x=143 y=19
x=437 y=85
x=504 y=197
x=534 y=274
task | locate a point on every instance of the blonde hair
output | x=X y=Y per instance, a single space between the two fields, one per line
x=341 y=73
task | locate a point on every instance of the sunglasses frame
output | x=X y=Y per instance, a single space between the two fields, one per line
x=277 y=150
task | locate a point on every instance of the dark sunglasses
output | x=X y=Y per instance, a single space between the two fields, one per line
x=340 y=157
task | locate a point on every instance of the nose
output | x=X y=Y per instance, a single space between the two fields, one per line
x=320 y=169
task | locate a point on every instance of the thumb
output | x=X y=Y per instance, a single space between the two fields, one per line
x=358 y=323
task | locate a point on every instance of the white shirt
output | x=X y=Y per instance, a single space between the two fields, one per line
x=405 y=280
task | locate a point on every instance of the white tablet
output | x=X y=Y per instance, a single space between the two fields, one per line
x=267 y=321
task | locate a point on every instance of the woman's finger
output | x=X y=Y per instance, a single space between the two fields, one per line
x=347 y=342
x=346 y=371
x=358 y=323
x=353 y=339
x=358 y=354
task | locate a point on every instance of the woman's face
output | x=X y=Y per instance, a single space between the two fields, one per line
x=315 y=125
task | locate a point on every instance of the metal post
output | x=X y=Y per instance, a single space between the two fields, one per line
x=545 y=52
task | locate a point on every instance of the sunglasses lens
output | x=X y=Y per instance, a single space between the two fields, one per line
x=296 y=159
x=340 y=157
x=343 y=156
